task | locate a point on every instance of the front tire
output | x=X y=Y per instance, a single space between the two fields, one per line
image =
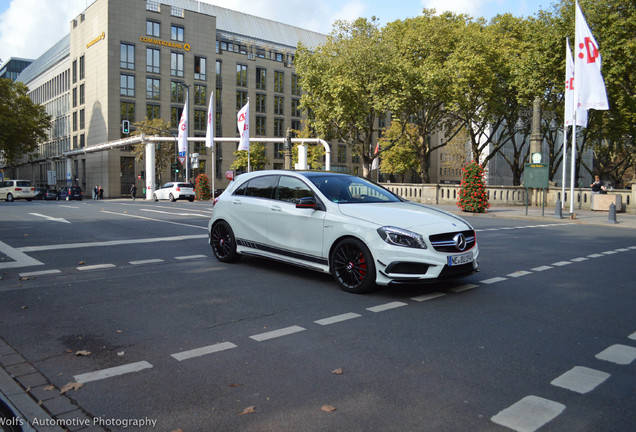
x=352 y=266
x=223 y=242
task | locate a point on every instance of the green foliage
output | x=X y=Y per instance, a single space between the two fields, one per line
x=472 y=193
x=315 y=156
x=258 y=158
x=400 y=158
x=202 y=188
x=24 y=123
x=164 y=153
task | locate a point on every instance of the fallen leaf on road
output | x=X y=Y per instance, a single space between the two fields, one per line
x=49 y=388
x=71 y=386
x=328 y=408
x=248 y=410
x=337 y=371
x=83 y=353
x=121 y=353
x=81 y=263
x=235 y=385
x=24 y=307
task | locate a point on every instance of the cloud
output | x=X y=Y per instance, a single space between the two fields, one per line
x=470 y=7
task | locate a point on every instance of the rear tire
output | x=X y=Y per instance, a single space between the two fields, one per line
x=223 y=242
x=352 y=266
x=172 y=198
x=9 y=197
x=154 y=197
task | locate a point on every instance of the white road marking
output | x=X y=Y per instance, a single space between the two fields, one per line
x=111 y=372
x=108 y=243
x=580 y=379
x=51 y=218
x=561 y=263
x=276 y=333
x=19 y=258
x=148 y=261
x=542 y=268
x=176 y=214
x=426 y=297
x=155 y=220
x=493 y=280
x=580 y=259
x=463 y=288
x=337 y=318
x=40 y=273
x=622 y=250
x=595 y=256
x=632 y=336
x=187 y=257
x=96 y=267
x=612 y=252
x=519 y=274
x=198 y=352
x=619 y=354
x=529 y=414
x=386 y=306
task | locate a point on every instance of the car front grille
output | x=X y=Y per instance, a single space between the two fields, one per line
x=446 y=242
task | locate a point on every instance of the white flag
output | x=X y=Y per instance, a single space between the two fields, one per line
x=581 y=114
x=243 y=124
x=209 y=132
x=376 y=161
x=182 y=139
x=589 y=91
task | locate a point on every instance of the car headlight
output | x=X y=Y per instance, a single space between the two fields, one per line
x=401 y=237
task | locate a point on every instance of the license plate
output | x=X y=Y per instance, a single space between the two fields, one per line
x=456 y=260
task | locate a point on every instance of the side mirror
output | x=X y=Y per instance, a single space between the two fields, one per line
x=307 y=202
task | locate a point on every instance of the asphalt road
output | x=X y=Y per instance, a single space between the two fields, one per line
x=542 y=338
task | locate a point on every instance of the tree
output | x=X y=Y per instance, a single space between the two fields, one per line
x=400 y=158
x=258 y=159
x=24 y=123
x=164 y=152
x=315 y=156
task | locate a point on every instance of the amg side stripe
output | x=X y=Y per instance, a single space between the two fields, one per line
x=283 y=252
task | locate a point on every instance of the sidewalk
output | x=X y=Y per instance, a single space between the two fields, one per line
x=583 y=217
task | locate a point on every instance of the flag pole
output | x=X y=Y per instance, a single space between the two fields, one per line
x=573 y=165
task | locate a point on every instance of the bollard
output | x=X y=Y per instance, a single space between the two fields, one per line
x=611 y=217
x=557 y=210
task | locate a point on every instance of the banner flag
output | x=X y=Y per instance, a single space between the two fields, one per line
x=182 y=138
x=209 y=132
x=581 y=114
x=243 y=124
x=376 y=161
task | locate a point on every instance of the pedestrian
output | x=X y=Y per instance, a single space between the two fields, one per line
x=596 y=186
x=95 y=192
x=133 y=191
x=101 y=192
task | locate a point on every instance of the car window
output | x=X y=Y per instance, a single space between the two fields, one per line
x=24 y=184
x=345 y=189
x=261 y=187
x=167 y=185
x=291 y=190
x=184 y=185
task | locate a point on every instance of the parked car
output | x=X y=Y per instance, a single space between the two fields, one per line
x=70 y=193
x=50 y=194
x=39 y=193
x=17 y=189
x=358 y=231
x=174 y=191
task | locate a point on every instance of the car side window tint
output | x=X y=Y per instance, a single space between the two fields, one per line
x=261 y=187
x=241 y=189
x=291 y=189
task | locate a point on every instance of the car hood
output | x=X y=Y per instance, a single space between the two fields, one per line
x=408 y=215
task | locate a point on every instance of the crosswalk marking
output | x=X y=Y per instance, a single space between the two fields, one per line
x=580 y=379
x=529 y=414
x=619 y=354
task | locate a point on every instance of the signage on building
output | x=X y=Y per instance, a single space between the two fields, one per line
x=145 y=39
x=97 y=39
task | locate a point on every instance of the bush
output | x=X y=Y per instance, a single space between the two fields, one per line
x=472 y=193
x=202 y=188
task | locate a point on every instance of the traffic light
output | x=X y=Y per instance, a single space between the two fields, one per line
x=125 y=127
x=175 y=167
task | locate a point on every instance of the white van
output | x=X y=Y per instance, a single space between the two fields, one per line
x=17 y=189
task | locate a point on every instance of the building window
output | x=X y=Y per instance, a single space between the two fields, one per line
x=279 y=127
x=295 y=85
x=261 y=77
x=82 y=120
x=176 y=33
x=241 y=75
x=152 y=88
x=199 y=68
x=74 y=121
x=152 y=111
x=176 y=92
x=153 y=60
x=127 y=56
x=342 y=154
x=200 y=117
x=218 y=74
x=295 y=107
x=127 y=111
x=175 y=116
x=260 y=125
x=176 y=64
x=74 y=97
x=82 y=142
x=261 y=101
x=278 y=105
x=295 y=124
x=279 y=151
x=153 y=28
x=200 y=94
x=82 y=68
x=241 y=99
x=82 y=94
x=279 y=79
x=126 y=86
x=74 y=71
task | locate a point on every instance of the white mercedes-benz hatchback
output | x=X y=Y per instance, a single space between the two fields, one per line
x=348 y=226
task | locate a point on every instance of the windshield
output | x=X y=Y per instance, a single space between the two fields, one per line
x=345 y=189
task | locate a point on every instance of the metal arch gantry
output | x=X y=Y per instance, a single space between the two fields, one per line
x=150 y=142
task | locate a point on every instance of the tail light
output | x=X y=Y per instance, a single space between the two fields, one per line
x=18 y=189
x=178 y=189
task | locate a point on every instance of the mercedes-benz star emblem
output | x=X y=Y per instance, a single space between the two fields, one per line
x=460 y=241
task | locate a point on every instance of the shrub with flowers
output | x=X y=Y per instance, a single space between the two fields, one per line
x=202 y=188
x=472 y=193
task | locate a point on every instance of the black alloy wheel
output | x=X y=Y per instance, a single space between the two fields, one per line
x=223 y=242
x=352 y=266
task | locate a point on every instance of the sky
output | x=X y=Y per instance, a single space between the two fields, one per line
x=29 y=27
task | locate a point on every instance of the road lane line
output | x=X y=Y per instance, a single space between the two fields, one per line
x=50 y=218
x=111 y=372
x=40 y=273
x=619 y=354
x=561 y=263
x=632 y=336
x=187 y=257
x=155 y=220
x=276 y=333
x=337 y=318
x=463 y=288
x=96 y=267
x=386 y=306
x=198 y=352
x=519 y=274
x=595 y=256
x=580 y=379
x=493 y=280
x=176 y=214
x=148 y=261
x=20 y=259
x=542 y=268
x=529 y=414
x=580 y=259
x=612 y=252
x=426 y=297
